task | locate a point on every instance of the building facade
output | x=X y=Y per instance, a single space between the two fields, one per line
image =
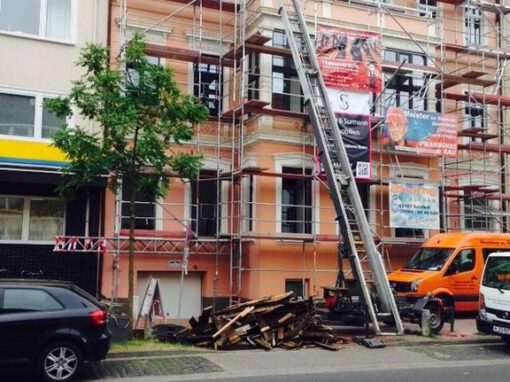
x=41 y=41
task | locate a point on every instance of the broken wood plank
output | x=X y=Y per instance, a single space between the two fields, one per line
x=232 y=321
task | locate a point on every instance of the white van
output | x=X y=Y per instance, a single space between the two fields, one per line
x=494 y=313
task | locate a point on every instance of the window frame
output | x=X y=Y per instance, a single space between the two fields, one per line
x=43 y=22
x=39 y=97
x=471 y=37
x=25 y=222
x=476 y=218
x=289 y=75
x=199 y=84
x=456 y=261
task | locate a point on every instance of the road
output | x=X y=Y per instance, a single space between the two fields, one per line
x=475 y=362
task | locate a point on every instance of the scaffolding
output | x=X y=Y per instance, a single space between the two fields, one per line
x=463 y=72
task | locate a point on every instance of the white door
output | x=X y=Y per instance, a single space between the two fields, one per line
x=170 y=284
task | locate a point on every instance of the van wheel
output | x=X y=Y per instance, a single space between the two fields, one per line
x=436 y=318
x=59 y=361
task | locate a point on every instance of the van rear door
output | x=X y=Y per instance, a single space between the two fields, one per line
x=463 y=279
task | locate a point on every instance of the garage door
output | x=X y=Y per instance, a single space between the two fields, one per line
x=170 y=283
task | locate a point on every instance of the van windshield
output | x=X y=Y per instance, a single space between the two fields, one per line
x=429 y=259
x=497 y=273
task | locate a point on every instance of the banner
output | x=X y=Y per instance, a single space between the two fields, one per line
x=414 y=206
x=355 y=130
x=420 y=132
x=349 y=58
x=349 y=102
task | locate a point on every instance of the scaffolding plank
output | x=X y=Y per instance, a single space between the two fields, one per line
x=490 y=6
x=409 y=67
x=492 y=52
x=211 y=4
x=488 y=99
x=482 y=136
x=452 y=2
x=488 y=147
x=183 y=54
x=451 y=80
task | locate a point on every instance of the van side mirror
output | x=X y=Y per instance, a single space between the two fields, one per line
x=452 y=269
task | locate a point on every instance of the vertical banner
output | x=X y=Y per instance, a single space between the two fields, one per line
x=414 y=206
x=420 y=132
x=349 y=58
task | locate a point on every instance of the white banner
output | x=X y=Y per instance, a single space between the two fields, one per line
x=349 y=102
x=414 y=206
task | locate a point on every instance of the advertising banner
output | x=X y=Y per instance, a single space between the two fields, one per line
x=349 y=102
x=349 y=58
x=355 y=130
x=420 y=132
x=414 y=206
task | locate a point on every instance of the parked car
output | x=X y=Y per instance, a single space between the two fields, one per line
x=494 y=313
x=53 y=326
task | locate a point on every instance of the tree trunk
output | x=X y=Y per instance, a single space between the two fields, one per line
x=131 y=252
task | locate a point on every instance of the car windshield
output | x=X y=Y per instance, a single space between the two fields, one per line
x=497 y=273
x=430 y=259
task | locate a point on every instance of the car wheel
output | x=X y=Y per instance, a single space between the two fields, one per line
x=436 y=318
x=506 y=340
x=60 y=361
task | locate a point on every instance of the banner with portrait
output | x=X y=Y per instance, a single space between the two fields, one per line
x=355 y=130
x=414 y=206
x=420 y=132
x=349 y=58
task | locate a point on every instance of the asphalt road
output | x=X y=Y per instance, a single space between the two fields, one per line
x=463 y=363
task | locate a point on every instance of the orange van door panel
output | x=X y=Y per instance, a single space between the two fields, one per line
x=463 y=280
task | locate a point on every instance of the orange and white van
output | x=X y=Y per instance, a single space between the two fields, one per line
x=449 y=266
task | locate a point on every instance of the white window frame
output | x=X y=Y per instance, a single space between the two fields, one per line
x=42 y=26
x=39 y=97
x=25 y=225
x=467 y=119
x=308 y=163
x=468 y=29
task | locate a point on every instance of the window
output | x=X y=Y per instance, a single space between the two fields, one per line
x=24 y=116
x=145 y=209
x=477 y=215
x=429 y=7
x=407 y=90
x=410 y=232
x=28 y=300
x=287 y=94
x=475 y=117
x=299 y=287
x=463 y=262
x=133 y=74
x=207 y=79
x=487 y=251
x=32 y=219
x=204 y=204
x=472 y=25
x=253 y=75
x=50 y=19
x=296 y=202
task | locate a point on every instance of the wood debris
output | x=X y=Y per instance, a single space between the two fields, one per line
x=277 y=321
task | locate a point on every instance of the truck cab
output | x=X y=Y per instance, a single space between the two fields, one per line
x=494 y=312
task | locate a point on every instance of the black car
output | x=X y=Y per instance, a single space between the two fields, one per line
x=53 y=326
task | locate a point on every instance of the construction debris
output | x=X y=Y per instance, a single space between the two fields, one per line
x=277 y=321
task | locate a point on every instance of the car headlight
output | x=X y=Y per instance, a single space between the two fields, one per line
x=415 y=284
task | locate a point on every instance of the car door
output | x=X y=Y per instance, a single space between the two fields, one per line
x=26 y=313
x=463 y=279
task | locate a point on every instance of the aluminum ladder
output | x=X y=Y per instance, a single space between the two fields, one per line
x=354 y=225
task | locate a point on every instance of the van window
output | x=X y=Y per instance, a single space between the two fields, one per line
x=497 y=273
x=431 y=259
x=464 y=261
x=487 y=251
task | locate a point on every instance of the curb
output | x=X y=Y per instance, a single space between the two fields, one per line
x=481 y=341
x=155 y=353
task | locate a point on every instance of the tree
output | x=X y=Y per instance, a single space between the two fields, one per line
x=141 y=113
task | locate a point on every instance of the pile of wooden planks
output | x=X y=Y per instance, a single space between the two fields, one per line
x=277 y=321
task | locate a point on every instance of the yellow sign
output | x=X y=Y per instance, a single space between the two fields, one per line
x=29 y=152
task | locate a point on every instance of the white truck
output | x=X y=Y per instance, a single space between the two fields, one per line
x=494 y=313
